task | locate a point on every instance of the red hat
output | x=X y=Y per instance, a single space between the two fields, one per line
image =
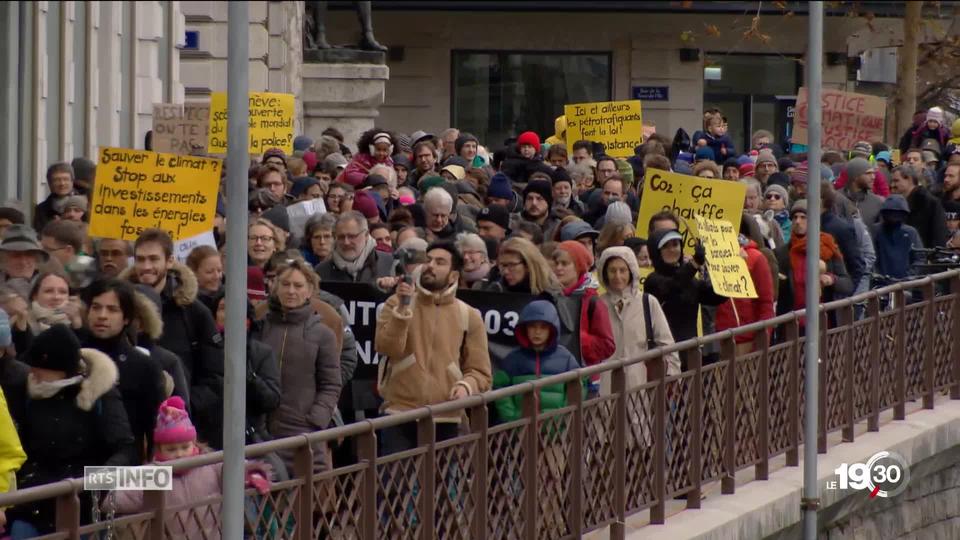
x=364 y=203
x=310 y=158
x=173 y=423
x=582 y=259
x=529 y=137
x=746 y=169
x=256 y=286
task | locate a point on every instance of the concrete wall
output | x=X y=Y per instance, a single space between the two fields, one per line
x=80 y=75
x=275 y=50
x=644 y=46
x=928 y=509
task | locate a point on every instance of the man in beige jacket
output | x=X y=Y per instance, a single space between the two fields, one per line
x=433 y=348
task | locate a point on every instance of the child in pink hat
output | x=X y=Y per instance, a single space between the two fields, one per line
x=175 y=437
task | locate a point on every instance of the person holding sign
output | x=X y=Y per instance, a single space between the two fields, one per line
x=742 y=311
x=834 y=282
x=675 y=282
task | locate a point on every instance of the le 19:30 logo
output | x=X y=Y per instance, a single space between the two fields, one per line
x=885 y=474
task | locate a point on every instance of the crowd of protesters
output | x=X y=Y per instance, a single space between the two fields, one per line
x=123 y=363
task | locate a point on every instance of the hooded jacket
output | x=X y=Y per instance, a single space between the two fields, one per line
x=151 y=328
x=844 y=232
x=893 y=242
x=679 y=291
x=629 y=323
x=526 y=364
x=141 y=384
x=190 y=332
x=742 y=311
x=81 y=425
x=438 y=343
x=12 y=455
x=310 y=378
x=359 y=167
x=927 y=217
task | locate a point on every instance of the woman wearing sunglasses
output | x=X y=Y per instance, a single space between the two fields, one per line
x=775 y=199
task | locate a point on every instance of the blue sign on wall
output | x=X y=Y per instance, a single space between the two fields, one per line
x=651 y=93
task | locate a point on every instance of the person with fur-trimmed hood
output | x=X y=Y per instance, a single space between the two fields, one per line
x=68 y=415
x=143 y=385
x=189 y=330
x=145 y=329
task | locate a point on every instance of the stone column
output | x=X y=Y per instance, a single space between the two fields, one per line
x=342 y=89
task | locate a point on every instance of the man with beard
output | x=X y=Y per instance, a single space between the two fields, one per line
x=926 y=211
x=433 y=348
x=188 y=328
x=537 y=203
x=355 y=257
x=142 y=383
x=861 y=174
x=951 y=184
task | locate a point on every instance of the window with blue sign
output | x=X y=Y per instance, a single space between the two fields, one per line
x=499 y=94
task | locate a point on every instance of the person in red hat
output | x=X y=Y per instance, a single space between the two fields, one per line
x=523 y=158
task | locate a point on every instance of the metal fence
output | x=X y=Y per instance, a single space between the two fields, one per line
x=594 y=462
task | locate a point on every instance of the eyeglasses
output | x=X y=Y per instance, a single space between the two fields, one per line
x=773 y=196
x=502 y=265
x=261 y=239
x=349 y=237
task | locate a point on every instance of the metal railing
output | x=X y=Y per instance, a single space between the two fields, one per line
x=594 y=462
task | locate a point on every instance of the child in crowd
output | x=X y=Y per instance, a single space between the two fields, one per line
x=539 y=355
x=174 y=438
x=714 y=135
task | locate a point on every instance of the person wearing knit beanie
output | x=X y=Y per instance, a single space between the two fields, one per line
x=174 y=436
x=746 y=169
x=528 y=144
x=799 y=207
x=540 y=187
x=366 y=205
x=777 y=200
x=429 y=182
x=582 y=258
x=857 y=167
x=934 y=114
x=499 y=187
x=302 y=143
x=765 y=166
x=618 y=212
x=537 y=202
x=704 y=153
x=56 y=349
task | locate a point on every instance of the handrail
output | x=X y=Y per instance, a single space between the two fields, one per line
x=923 y=374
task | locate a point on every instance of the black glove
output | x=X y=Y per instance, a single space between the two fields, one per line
x=699 y=254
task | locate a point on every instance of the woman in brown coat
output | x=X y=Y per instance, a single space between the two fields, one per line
x=309 y=361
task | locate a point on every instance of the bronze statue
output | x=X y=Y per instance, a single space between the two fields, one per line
x=317 y=38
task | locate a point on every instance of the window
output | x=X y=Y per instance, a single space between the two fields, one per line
x=499 y=94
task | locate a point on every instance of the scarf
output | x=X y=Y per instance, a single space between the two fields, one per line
x=585 y=282
x=476 y=275
x=353 y=267
x=48 y=389
x=798 y=263
x=42 y=318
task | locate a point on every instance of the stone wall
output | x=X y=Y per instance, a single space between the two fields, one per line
x=928 y=509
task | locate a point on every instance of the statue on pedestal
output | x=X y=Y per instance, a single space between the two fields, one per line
x=315 y=31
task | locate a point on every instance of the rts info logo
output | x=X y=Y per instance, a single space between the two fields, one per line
x=885 y=474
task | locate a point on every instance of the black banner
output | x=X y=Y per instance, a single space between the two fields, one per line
x=499 y=312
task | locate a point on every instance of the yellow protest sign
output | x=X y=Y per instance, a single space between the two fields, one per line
x=687 y=196
x=137 y=189
x=271 y=122
x=729 y=274
x=616 y=124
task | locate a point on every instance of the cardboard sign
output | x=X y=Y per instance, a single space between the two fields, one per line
x=182 y=248
x=847 y=118
x=729 y=274
x=271 y=122
x=137 y=189
x=616 y=124
x=181 y=128
x=688 y=196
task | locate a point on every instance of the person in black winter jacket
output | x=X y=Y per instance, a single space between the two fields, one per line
x=675 y=284
x=145 y=329
x=111 y=307
x=926 y=211
x=523 y=158
x=843 y=231
x=68 y=416
x=188 y=328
